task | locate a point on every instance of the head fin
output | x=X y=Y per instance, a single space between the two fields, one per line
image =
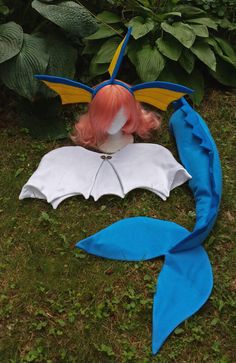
x=69 y=91
x=159 y=94
x=118 y=56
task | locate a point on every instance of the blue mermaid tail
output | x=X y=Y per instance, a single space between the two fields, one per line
x=186 y=280
x=184 y=284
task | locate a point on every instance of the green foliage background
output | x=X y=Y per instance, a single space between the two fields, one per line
x=180 y=41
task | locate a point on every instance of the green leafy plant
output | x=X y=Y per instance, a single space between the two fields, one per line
x=225 y=8
x=23 y=55
x=181 y=41
x=171 y=42
x=50 y=46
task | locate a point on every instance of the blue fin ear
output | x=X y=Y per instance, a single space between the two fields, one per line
x=159 y=94
x=118 y=56
x=184 y=285
x=69 y=91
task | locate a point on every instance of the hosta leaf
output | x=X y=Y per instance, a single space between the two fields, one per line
x=169 y=47
x=173 y=73
x=205 y=54
x=211 y=41
x=150 y=63
x=18 y=72
x=11 y=39
x=97 y=69
x=132 y=49
x=169 y=73
x=225 y=73
x=188 y=11
x=182 y=32
x=187 y=60
x=68 y=15
x=226 y=24
x=205 y=21
x=92 y=47
x=141 y=26
x=134 y=5
x=226 y=47
x=170 y=14
x=104 y=31
x=144 y=2
x=109 y=17
x=216 y=45
x=200 y=30
x=107 y=51
x=62 y=59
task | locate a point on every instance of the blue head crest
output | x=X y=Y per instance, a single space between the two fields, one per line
x=158 y=94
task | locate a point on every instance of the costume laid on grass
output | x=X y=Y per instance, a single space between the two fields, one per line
x=74 y=170
x=185 y=281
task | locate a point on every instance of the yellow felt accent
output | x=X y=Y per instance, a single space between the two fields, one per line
x=70 y=94
x=157 y=97
x=115 y=58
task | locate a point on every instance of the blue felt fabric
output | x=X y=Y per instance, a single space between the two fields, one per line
x=184 y=285
x=199 y=155
x=185 y=281
x=134 y=239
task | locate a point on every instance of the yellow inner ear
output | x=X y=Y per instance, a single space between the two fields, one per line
x=115 y=58
x=70 y=94
x=157 y=97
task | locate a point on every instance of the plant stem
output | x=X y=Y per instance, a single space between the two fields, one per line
x=99 y=20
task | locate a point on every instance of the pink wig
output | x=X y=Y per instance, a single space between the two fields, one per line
x=91 y=128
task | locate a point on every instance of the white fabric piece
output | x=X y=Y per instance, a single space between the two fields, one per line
x=74 y=170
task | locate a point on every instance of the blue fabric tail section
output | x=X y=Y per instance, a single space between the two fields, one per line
x=199 y=155
x=184 y=285
x=134 y=239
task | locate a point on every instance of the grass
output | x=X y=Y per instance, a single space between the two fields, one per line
x=58 y=304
